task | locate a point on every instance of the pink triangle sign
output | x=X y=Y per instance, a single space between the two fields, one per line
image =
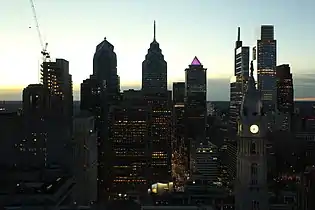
x=195 y=62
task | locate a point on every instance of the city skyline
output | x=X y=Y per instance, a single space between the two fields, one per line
x=131 y=48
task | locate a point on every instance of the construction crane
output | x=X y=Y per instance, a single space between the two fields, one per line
x=44 y=52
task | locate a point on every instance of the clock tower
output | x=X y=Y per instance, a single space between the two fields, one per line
x=251 y=191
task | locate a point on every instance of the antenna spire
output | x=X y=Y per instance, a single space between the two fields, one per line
x=239 y=34
x=154 y=31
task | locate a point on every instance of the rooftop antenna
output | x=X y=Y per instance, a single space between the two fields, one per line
x=154 y=31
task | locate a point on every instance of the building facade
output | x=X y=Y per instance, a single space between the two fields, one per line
x=238 y=83
x=266 y=69
x=251 y=188
x=195 y=107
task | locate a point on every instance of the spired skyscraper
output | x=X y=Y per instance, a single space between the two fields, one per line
x=154 y=69
x=158 y=102
x=251 y=186
x=238 y=83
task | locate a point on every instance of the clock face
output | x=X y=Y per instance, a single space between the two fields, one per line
x=254 y=128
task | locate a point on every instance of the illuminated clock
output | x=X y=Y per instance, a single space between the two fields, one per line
x=254 y=129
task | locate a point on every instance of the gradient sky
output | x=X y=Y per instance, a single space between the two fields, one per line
x=185 y=28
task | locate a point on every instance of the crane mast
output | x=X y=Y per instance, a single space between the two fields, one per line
x=44 y=52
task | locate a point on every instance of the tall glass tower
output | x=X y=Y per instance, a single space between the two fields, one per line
x=266 y=67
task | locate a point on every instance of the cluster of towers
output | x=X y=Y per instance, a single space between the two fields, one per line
x=136 y=138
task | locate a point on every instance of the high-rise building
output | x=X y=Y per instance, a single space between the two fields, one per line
x=11 y=125
x=158 y=101
x=285 y=90
x=90 y=94
x=266 y=68
x=103 y=88
x=57 y=79
x=178 y=92
x=251 y=187
x=154 y=69
x=285 y=103
x=36 y=108
x=238 y=83
x=47 y=135
x=129 y=136
x=85 y=165
x=195 y=107
x=178 y=143
x=180 y=148
x=105 y=69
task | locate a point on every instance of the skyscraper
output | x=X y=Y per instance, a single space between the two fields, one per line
x=238 y=83
x=57 y=79
x=180 y=148
x=266 y=67
x=251 y=187
x=285 y=90
x=285 y=103
x=154 y=69
x=105 y=68
x=103 y=90
x=195 y=107
x=129 y=135
x=158 y=101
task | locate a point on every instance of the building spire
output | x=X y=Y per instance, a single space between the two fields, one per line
x=154 y=31
x=239 y=34
x=238 y=42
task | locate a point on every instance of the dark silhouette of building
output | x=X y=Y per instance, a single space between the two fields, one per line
x=98 y=94
x=238 y=84
x=47 y=135
x=90 y=94
x=105 y=69
x=178 y=92
x=11 y=125
x=195 y=107
x=129 y=137
x=285 y=90
x=158 y=100
x=36 y=109
x=57 y=79
x=154 y=69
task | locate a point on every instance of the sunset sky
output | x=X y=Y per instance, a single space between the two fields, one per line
x=185 y=28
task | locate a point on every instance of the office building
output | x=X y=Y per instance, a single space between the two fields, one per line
x=90 y=95
x=36 y=109
x=129 y=136
x=238 y=83
x=285 y=91
x=251 y=188
x=47 y=136
x=11 y=124
x=56 y=78
x=158 y=100
x=266 y=68
x=105 y=69
x=195 y=107
x=154 y=69
x=85 y=154
x=207 y=165
x=98 y=94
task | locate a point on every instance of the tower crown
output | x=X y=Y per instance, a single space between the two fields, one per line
x=251 y=107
